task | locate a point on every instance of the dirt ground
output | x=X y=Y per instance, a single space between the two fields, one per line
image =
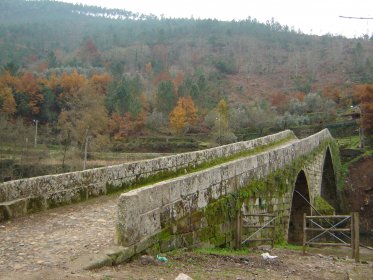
x=359 y=192
x=289 y=265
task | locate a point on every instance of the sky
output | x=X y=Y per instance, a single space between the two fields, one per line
x=312 y=17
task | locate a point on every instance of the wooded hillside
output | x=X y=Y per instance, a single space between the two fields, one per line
x=111 y=74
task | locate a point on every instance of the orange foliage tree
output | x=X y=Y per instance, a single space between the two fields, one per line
x=30 y=86
x=7 y=102
x=364 y=94
x=184 y=114
x=100 y=82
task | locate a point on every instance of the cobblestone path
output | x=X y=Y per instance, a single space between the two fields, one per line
x=54 y=238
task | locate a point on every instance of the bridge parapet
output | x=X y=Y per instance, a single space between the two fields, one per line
x=186 y=211
x=34 y=194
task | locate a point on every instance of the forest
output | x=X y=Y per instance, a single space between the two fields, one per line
x=75 y=78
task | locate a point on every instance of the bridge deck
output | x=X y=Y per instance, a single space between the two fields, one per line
x=56 y=237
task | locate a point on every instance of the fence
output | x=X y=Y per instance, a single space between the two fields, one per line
x=337 y=230
x=244 y=223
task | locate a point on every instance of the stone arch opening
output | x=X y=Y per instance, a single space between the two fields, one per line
x=298 y=206
x=328 y=185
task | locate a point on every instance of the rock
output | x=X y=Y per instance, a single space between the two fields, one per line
x=17 y=266
x=146 y=260
x=265 y=248
x=183 y=276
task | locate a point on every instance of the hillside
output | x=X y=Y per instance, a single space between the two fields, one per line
x=245 y=60
x=124 y=81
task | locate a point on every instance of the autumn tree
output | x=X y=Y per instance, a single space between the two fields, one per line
x=184 y=115
x=71 y=84
x=30 y=87
x=222 y=131
x=86 y=116
x=88 y=53
x=7 y=102
x=100 y=82
x=364 y=94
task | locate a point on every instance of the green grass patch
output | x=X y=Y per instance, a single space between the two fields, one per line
x=352 y=142
x=221 y=251
x=289 y=247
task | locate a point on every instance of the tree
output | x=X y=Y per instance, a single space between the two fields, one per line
x=100 y=82
x=222 y=130
x=124 y=96
x=166 y=97
x=7 y=102
x=183 y=115
x=177 y=119
x=364 y=94
x=156 y=120
x=261 y=117
x=86 y=115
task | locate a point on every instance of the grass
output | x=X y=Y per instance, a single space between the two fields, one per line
x=221 y=251
x=289 y=247
x=352 y=142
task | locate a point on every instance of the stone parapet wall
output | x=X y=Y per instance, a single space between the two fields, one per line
x=174 y=213
x=30 y=195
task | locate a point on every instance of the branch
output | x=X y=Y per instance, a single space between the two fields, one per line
x=355 y=17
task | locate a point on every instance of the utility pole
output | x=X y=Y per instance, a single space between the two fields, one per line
x=218 y=119
x=36 y=132
x=85 y=153
x=361 y=127
x=85 y=149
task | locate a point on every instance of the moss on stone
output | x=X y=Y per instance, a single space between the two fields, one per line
x=323 y=207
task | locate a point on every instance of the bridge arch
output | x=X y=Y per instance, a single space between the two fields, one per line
x=298 y=206
x=328 y=189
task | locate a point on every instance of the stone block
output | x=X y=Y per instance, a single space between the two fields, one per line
x=4 y=213
x=183 y=225
x=154 y=196
x=36 y=204
x=3 y=193
x=203 y=198
x=165 y=216
x=189 y=185
x=196 y=220
x=16 y=208
x=145 y=244
x=169 y=244
x=178 y=210
x=214 y=176
x=175 y=189
x=128 y=219
x=150 y=223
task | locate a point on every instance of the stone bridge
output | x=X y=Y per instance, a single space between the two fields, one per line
x=202 y=208
x=194 y=199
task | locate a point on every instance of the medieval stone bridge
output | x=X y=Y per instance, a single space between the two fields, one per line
x=194 y=199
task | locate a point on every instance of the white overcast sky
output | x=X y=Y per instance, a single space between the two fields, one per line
x=311 y=16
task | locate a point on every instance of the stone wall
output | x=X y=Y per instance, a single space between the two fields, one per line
x=30 y=195
x=196 y=209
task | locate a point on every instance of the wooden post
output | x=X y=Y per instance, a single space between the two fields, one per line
x=273 y=233
x=238 y=230
x=355 y=238
x=304 y=233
